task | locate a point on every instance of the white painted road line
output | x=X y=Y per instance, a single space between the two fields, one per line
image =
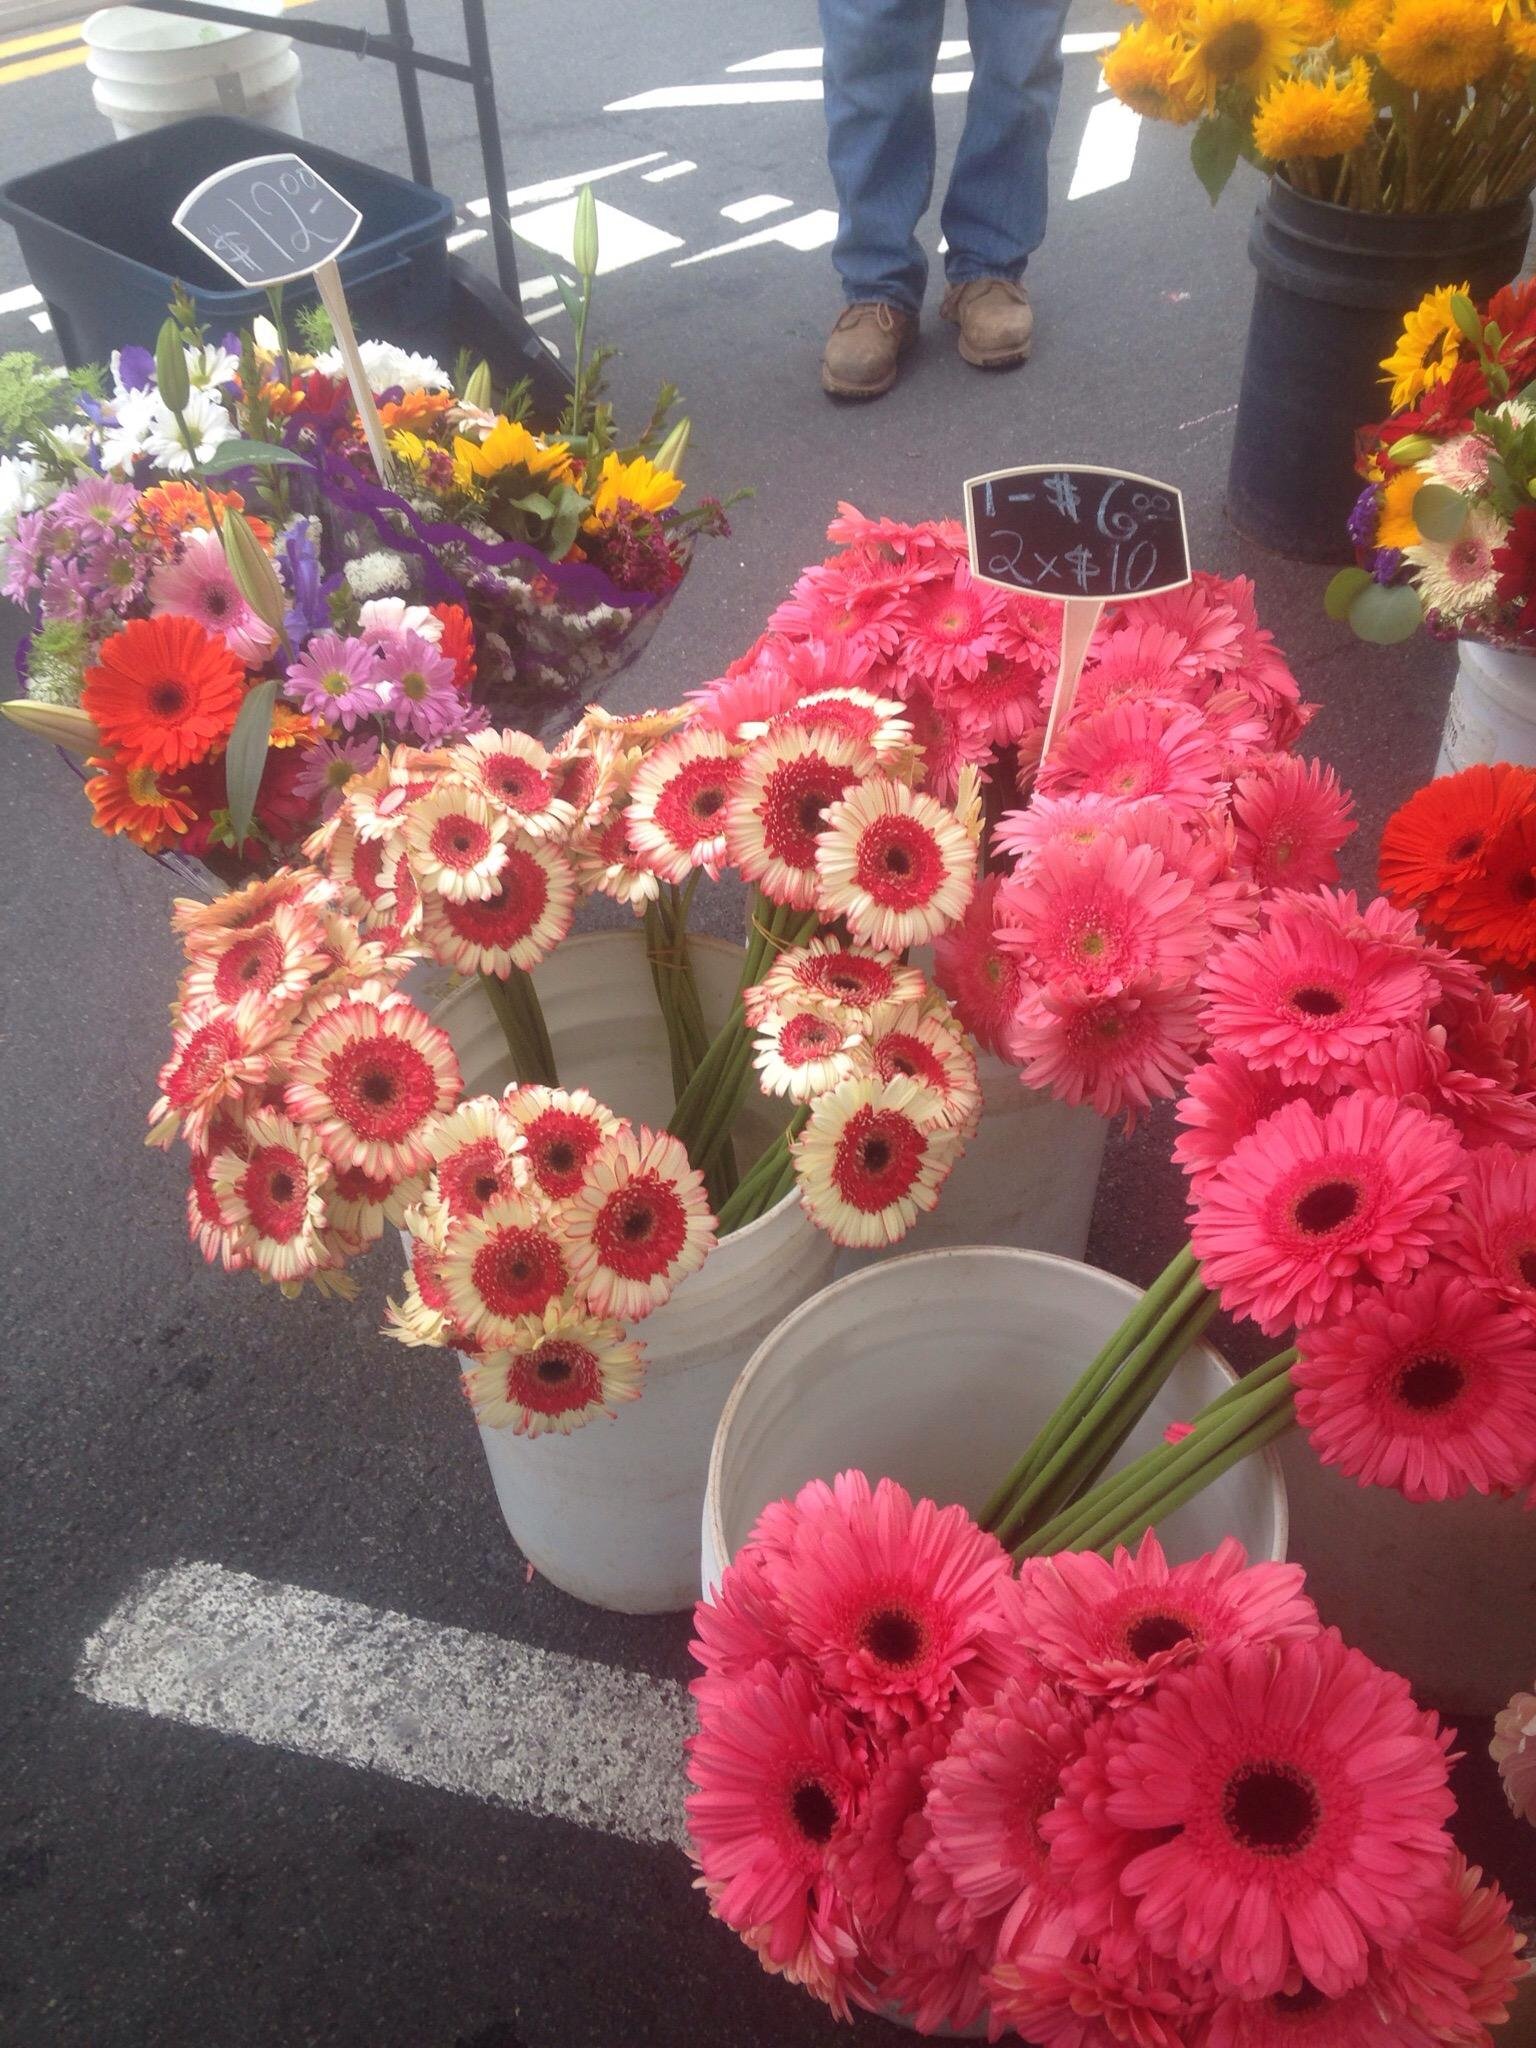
x=1107 y=155
x=756 y=208
x=525 y=1728
x=20 y=299
x=621 y=238
x=677 y=170
x=805 y=232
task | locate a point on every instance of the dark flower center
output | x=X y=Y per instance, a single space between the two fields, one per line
x=891 y=1635
x=1465 y=848
x=1327 y=1207
x=636 y=1225
x=1307 y=1999
x=167 y=699
x=281 y=1186
x=708 y=801
x=1430 y=1382
x=1525 y=1263
x=1317 y=1002
x=1155 y=1633
x=561 y=1156
x=877 y=1155
x=486 y=1185
x=897 y=861
x=377 y=1088
x=1271 y=1809
x=553 y=1367
x=1233 y=48
x=815 y=1811
x=1522 y=886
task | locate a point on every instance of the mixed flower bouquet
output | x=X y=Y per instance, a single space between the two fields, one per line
x=1445 y=528
x=1387 y=106
x=319 y=1103
x=1102 y=1801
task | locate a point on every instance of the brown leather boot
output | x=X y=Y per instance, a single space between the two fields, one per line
x=864 y=350
x=995 y=320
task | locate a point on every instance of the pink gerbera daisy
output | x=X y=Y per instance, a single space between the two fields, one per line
x=891 y=1599
x=1300 y=2016
x=1225 y=1100
x=561 y=1131
x=1458 y=1974
x=872 y=1159
x=500 y=1267
x=677 y=804
x=1103 y=916
x=739 y=1625
x=1428 y=1387
x=1315 y=1205
x=370 y=1078
x=839 y=977
x=1306 y=999
x=1138 y=750
x=776 y=1785
x=1493 y=1232
x=1116 y=1051
x=640 y=1224
x=871 y=1865
x=895 y=865
x=1292 y=817
x=787 y=782
x=950 y=628
x=556 y=1372
x=1001 y=1774
x=983 y=979
x=1001 y=700
x=1134 y=662
x=1112 y=1629
x=1089 y=2002
x=1290 y=1801
x=199 y=584
x=525 y=916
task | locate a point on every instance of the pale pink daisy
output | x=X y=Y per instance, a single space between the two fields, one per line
x=336 y=679
x=896 y=866
x=555 y=1372
x=1459 y=1972
x=370 y=1079
x=559 y=1132
x=950 y=628
x=1224 y=1100
x=273 y=1191
x=872 y=1159
x=1292 y=817
x=677 y=804
x=280 y=959
x=802 y=1053
x=1081 y=2001
x=1286 y=1809
x=777 y=809
x=922 y=1042
x=457 y=842
x=1313 y=1206
x=891 y=1599
x=518 y=924
x=1513 y=1749
x=1493 y=1231
x=199 y=584
x=475 y=1156
x=1138 y=750
x=500 y=1267
x=1429 y=1387
x=418 y=685
x=1116 y=1051
x=640 y=1224
x=776 y=1783
x=1112 y=1629
x=517 y=773
x=218 y=1056
x=1103 y=916
x=825 y=973
x=983 y=979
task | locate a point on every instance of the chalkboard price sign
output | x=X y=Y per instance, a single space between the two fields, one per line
x=268 y=220
x=1076 y=533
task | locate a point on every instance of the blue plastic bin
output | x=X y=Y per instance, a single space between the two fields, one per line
x=97 y=237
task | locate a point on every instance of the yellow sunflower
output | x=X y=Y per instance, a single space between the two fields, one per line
x=508 y=445
x=1440 y=46
x=1520 y=35
x=1163 y=14
x=1396 y=526
x=1323 y=117
x=1242 y=43
x=1355 y=25
x=1143 y=70
x=1427 y=349
x=639 y=483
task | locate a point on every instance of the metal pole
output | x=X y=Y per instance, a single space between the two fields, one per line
x=478 y=45
x=410 y=91
x=325 y=35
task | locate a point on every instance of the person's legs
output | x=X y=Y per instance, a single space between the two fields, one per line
x=878 y=66
x=994 y=212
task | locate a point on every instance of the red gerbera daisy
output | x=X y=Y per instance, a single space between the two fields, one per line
x=164 y=692
x=1437 y=842
x=1493 y=1232
x=896 y=865
x=1494 y=914
x=839 y=977
x=132 y=800
x=217 y=1054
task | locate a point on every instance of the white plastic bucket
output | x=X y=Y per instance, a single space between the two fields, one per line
x=610 y=1513
x=1442 y=1591
x=150 y=68
x=1027 y=1178
x=1492 y=712
x=936 y=1370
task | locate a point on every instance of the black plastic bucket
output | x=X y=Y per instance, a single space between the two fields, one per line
x=98 y=241
x=1332 y=290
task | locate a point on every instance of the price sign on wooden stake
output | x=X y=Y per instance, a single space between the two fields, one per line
x=270 y=220
x=1082 y=536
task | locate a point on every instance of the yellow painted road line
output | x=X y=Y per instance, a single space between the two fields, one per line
x=55 y=60
x=41 y=39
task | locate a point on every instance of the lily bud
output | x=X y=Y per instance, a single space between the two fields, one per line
x=62 y=725
x=669 y=456
x=478 y=391
x=584 y=233
x=171 y=368
x=252 y=569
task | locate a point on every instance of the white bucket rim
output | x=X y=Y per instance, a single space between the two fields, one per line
x=873 y=1275
x=180 y=32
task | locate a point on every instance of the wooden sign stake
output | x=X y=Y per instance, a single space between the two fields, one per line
x=1079 y=617
x=334 y=299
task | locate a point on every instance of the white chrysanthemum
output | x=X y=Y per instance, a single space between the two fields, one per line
x=381 y=617
x=23 y=488
x=128 y=425
x=559 y=1371
x=210 y=366
x=376 y=574
x=1458 y=579
x=870 y=1162
x=389 y=368
x=175 y=445
x=802 y=1053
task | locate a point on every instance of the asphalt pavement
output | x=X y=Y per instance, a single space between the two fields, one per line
x=215 y=1870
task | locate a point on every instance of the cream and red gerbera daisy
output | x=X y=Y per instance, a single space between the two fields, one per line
x=923 y=1043
x=604 y=864
x=217 y=1056
x=828 y=975
x=358 y=1204
x=273 y=1189
x=871 y=1160
x=640 y=1224
x=423 y=1318
x=371 y=1077
x=519 y=924
x=500 y=1267
x=802 y=1053
x=375 y=880
x=895 y=865
x=677 y=804
x=788 y=781
x=457 y=842
x=881 y=723
x=561 y=1370
x=279 y=959
x=200 y=924
x=209 y=1224
x=560 y=1132
x=517 y=774
x=476 y=1156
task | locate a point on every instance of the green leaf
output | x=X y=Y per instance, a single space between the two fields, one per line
x=569 y=298
x=245 y=758
x=1342 y=591
x=562 y=534
x=1439 y=512
x=1386 y=614
x=1214 y=149
x=1464 y=313
x=251 y=455
x=537 y=504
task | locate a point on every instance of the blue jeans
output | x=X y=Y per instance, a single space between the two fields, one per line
x=878 y=67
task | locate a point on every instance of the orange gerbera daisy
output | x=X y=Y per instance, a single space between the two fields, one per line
x=168 y=510
x=1438 y=841
x=132 y=801
x=165 y=692
x=1494 y=915
x=417 y=409
x=292 y=728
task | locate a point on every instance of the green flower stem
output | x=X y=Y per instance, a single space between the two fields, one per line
x=767 y=1180
x=1080 y=1401
x=1114 y=1409
x=521 y=1015
x=1141 y=1493
x=1272 y=1422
